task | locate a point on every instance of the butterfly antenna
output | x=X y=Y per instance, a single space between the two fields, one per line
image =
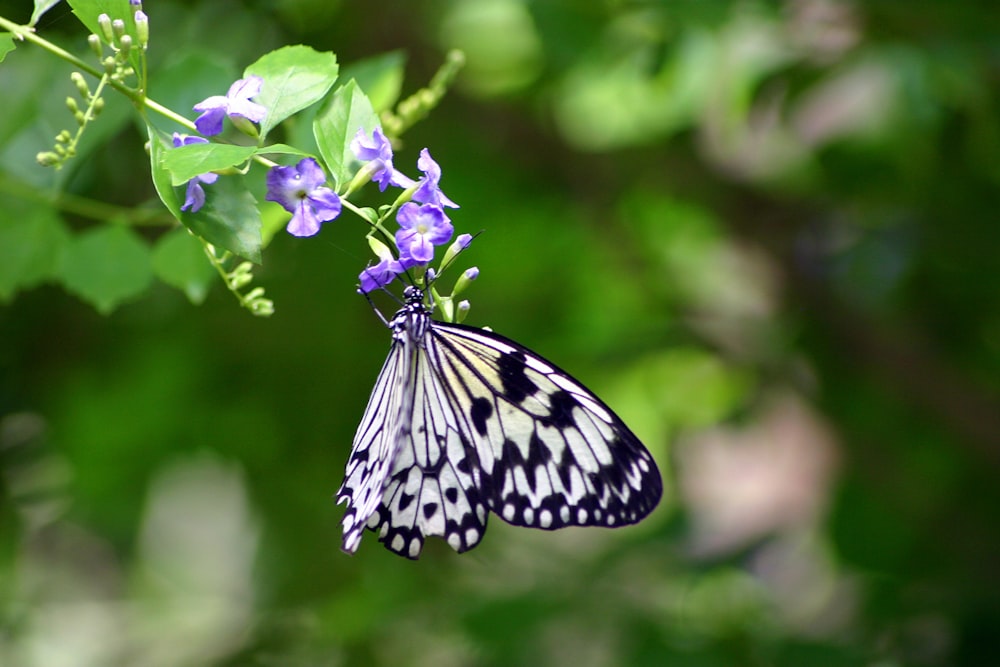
x=372 y=303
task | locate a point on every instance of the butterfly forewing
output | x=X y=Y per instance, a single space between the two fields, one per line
x=463 y=421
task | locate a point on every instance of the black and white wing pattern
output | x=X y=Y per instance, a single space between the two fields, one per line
x=463 y=422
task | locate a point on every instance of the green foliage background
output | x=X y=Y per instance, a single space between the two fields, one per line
x=765 y=232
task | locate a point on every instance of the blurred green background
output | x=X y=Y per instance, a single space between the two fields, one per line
x=766 y=233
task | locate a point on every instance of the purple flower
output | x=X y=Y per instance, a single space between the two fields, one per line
x=194 y=199
x=379 y=275
x=429 y=191
x=378 y=151
x=421 y=228
x=236 y=104
x=300 y=191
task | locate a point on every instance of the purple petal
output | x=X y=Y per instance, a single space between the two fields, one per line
x=247 y=109
x=186 y=140
x=194 y=199
x=245 y=88
x=408 y=215
x=210 y=122
x=282 y=187
x=303 y=222
x=440 y=233
x=379 y=275
x=310 y=173
x=213 y=102
x=421 y=249
x=208 y=177
x=431 y=169
x=325 y=203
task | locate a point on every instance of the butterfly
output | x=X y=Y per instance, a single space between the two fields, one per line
x=463 y=422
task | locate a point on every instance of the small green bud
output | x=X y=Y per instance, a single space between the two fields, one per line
x=104 y=23
x=125 y=46
x=254 y=295
x=72 y=105
x=262 y=308
x=98 y=106
x=110 y=64
x=80 y=118
x=94 y=42
x=463 y=310
x=47 y=159
x=64 y=137
x=118 y=27
x=81 y=84
x=380 y=249
x=241 y=276
x=245 y=126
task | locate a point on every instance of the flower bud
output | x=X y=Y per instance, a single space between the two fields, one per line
x=463 y=280
x=47 y=159
x=262 y=307
x=142 y=28
x=245 y=126
x=118 y=28
x=125 y=46
x=94 y=42
x=462 y=310
x=104 y=23
x=460 y=244
x=81 y=84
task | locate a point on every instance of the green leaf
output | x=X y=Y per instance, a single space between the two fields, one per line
x=295 y=77
x=179 y=260
x=6 y=45
x=347 y=110
x=106 y=266
x=186 y=162
x=41 y=6
x=31 y=241
x=229 y=219
x=381 y=77
x=158 y=148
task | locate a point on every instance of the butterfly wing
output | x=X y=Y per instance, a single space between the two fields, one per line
x=550 y=453
x=375 y=445
x=409 y=475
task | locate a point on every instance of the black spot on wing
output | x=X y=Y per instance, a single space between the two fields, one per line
x=404 y=500
x=479 y=412
x=430 y=509
x=516 y=385
x=561 y=411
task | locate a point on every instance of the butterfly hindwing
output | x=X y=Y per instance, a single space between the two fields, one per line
x=430 y=490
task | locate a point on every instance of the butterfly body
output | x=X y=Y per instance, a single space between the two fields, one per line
x=463 y=422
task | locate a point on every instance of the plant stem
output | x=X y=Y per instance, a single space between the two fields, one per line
x=26 y=33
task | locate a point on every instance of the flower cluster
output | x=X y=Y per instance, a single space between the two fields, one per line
x=423 y=223
x=301 y=189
